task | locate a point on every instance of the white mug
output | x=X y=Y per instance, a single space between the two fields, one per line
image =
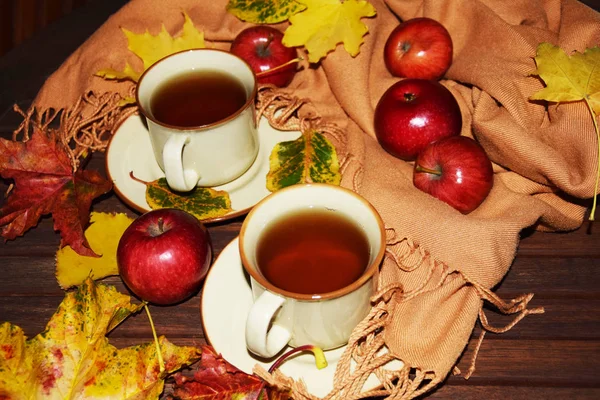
x=279 y=317
x=207 y=155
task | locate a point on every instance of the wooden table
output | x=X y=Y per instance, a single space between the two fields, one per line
x=554 y=355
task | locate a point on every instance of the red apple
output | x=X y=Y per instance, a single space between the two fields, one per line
x=261 y=47
x=164 y=255
x=413 y=113
x=455 y=170
x=418 y=48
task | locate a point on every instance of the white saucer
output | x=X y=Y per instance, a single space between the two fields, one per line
x=130 y=149
x=226 y=299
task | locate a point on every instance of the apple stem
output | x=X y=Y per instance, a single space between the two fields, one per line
x=409 y=97
x=419 y=168
x=161 y=362
x=161 y=225
x=135 y=178
x=271 y=70
x=270 y=38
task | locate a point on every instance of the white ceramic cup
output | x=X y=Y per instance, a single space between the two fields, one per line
x=207 y=155
x=278 y=317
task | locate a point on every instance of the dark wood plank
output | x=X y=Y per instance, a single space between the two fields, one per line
x=553 y=277
x=473 y=392
x=6 y=26
x=578 y=243
x=558 y=363
x=26 y=21
x=24 y=69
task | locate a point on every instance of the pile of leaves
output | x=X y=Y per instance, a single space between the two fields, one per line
x=73 y=358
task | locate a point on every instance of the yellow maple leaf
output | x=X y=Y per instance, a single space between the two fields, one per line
x=72 y=358
x=103 y=236
x=572 y=77
x=151 y=48
x=326 y=23
x=569 y=78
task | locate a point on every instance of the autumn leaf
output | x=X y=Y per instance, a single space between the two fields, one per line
x=326 y=23
x=568 y=78
x=151 y=48
x=264 y=11
x=310 y=158
x=103 y=236
x=203 y=203
x=45 y=183
x=73 y=358
x=214 y=378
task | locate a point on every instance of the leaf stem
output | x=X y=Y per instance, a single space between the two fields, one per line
x=135 y=178
x=161 y=362
x=268 y=71
x=593 y=212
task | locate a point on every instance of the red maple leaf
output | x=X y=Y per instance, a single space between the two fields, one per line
x=45 y=183
x=216 y=379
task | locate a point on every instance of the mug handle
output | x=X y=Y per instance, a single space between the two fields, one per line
x=179 y=179
x=260 y=339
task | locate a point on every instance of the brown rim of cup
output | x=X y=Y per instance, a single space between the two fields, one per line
x=367 y=274
x=249 y=101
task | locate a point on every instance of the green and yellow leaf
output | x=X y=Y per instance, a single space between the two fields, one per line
x=73 y=358
x=264 y=11
x=326 y=23
x=103 y=236
x=150 y=48
x=309 y=159
x=204 y=203
x=572 y=77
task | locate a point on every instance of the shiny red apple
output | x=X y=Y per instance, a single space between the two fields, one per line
x=413 y=113
x=418 y=48
x=261 y=47
x=164 y=255
x=455 y=170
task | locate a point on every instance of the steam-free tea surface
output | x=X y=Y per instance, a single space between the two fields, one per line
x=312 y=252
x=197 y=98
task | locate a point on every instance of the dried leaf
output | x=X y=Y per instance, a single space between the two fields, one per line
x=310 y=158
x=103 y=236
x=216 y=379
x=326 y=23
x=151 y=48
x=571 y=78
x=72 y=358
x=264 y=11
x=46 y=184
x=203 y=203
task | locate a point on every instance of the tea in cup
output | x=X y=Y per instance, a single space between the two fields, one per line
x=313 y=254
x=199 y=106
